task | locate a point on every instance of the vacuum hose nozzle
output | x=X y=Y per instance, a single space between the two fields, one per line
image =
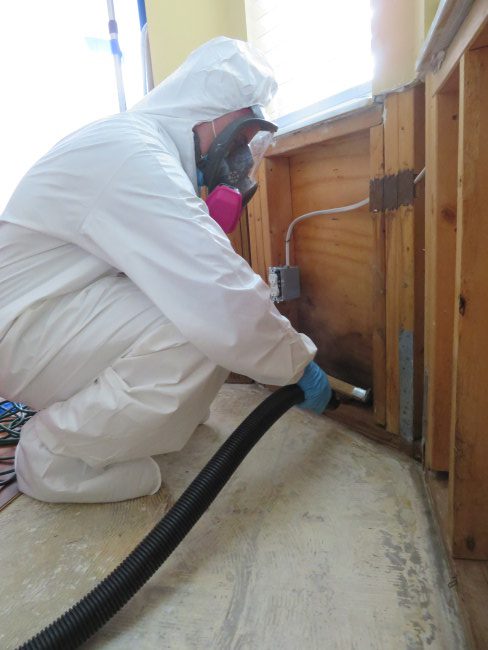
x=363 y=395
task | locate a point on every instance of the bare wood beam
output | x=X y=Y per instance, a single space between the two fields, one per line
x=468 y=485
x=403 y=272
x=440 y=251
x=377 y=171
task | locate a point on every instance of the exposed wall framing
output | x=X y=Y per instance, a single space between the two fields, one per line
x=404 y=267
x=469 y=462
x=456 y=306
x=362 y=272
x=322 y=167
x=441 y=198
x=377 y=173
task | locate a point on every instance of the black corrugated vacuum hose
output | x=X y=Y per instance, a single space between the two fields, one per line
x=88 y=615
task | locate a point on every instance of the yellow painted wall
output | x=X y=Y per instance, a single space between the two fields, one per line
x=176 y=27
x=429 y=13
x=398 y=32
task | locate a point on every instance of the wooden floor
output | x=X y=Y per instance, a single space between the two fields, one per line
x=322 y=540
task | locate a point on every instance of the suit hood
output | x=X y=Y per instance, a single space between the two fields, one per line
x=220 y=76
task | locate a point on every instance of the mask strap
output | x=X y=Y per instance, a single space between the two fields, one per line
x=200 y=178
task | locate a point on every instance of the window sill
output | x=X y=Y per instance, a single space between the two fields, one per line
x=345 y=102
x=357 y=116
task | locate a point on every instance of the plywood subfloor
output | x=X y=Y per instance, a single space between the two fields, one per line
x=322 y=540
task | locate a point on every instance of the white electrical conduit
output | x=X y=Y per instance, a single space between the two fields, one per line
x=418 y=178
x=345 y=208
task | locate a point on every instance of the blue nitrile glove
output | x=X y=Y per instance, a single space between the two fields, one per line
x=316 y=388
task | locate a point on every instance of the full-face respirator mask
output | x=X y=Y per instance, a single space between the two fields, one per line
x=229 y=168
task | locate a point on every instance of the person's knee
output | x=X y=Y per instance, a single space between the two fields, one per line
x=55 y=478
x=30 y=468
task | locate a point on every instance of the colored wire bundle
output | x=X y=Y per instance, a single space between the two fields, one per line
x=13 y=416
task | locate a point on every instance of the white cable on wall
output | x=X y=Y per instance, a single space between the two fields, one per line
x=420 y=176
x=345 y=208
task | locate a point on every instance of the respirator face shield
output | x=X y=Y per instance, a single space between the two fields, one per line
x=230 y=166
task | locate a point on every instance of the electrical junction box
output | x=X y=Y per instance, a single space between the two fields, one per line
x=284 y=282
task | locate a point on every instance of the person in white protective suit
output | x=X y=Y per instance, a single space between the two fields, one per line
x=123 y=304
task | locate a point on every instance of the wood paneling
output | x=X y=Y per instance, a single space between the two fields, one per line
x=269 y=215
x=361 y=272
x=240 y=238
x=441 y=196
x=335 y=255
x=468 y=475
x=255 y=210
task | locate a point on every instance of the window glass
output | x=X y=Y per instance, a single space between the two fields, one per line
x=58 y=74
x=319 y=49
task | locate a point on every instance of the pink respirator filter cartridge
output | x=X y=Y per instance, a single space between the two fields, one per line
x=225 y=206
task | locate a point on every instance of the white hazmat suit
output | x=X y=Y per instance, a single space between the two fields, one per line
x=123 y=304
